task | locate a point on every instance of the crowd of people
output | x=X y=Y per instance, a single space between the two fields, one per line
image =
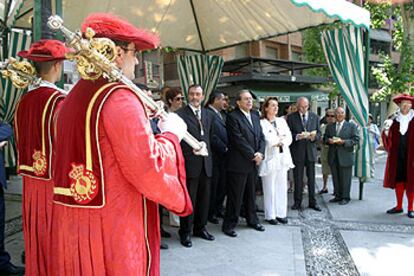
x=97 y=166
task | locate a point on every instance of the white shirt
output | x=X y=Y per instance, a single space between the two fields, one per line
x=248 y=116
x=339 y=126
x=194 y=111
x=44 y=83
x=405 y=121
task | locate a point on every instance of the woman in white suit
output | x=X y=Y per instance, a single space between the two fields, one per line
x=278 y=161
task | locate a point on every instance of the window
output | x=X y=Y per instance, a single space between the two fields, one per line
x=271 y=52
x=296 y=56
x=240 y=51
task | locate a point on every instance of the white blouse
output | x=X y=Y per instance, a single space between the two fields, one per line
x=274 y=159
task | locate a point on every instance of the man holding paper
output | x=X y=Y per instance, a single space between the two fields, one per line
x=341 y=138
x=304 y=125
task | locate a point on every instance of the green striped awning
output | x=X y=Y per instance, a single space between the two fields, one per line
x=204 y=70
x=344 y=51
x=10 y=95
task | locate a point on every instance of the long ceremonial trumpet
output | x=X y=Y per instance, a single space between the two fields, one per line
x=21 y=73
x=95 y=56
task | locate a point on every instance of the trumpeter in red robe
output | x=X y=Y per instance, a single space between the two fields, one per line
x=110 y=169
x=398 y=140
x=33 y=131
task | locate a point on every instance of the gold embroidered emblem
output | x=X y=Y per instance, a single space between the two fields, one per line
x=83 y=186
x=39 y=163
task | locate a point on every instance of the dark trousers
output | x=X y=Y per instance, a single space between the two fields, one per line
x=298 y=177
x=341 y=178
x=199 y=190
x=4 y=256
x=241 y=188
x=218 y=186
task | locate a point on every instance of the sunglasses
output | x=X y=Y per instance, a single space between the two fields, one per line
x=177 y=99
x=330 y=115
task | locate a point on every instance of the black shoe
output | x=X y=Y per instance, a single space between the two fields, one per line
x=213 y=220
x=344 y=202
x=323 y=191
x=335 y=199
x=282 y=220
x=11 y=269
x=165 y=234
x=410 y=214
x=296 y=207
x=315 y=207
x=271 y=221
x=204 y=235
x=186 y=241
x=163 y=245
x=395 y=211
x=257 y=227
x=230 y=232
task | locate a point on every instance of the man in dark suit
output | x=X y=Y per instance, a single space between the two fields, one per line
x=198 y=168
x=219 y=147
x=246 y=152
x=341 y=138
x=6 y=267
x=304 y=125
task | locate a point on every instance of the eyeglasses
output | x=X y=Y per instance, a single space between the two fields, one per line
x=177 y=99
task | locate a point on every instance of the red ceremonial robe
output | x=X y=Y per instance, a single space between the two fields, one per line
x=33 y=133
x=120 y=234
x=391 y=143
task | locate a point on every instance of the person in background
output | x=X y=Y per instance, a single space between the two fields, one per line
x=304 y=125
x=398 y=139
x=173 y=98
x=326 y=170
x=273 y=169
x=246 y=152
x=198 y=168
x=6 y=267
x=341 y=138
x=374 y=142
x=219 y=148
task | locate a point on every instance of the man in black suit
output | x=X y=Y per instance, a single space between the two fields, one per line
x=198 y=168
x=304 y=125
x=246 y=151
x=341 y=138
x=219 y=147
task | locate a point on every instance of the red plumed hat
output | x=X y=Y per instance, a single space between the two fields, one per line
x=115 y=28
x=45 y=50
x=403 y=97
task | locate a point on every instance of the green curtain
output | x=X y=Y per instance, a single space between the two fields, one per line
x=10 y=95
x=204 y=70
x=344 y=51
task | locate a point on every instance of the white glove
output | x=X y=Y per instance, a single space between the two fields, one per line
x=174 y=124
x=387 y=126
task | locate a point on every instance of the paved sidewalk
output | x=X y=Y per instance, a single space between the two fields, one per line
x=355 y=239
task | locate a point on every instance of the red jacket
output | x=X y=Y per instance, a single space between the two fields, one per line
x=391 y=143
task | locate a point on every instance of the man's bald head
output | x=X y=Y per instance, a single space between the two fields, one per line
x=340 y=114
x=303 y=105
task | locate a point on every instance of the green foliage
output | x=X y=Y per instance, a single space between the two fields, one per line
x=393 y=79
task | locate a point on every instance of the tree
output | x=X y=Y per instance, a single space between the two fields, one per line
x=395 y=79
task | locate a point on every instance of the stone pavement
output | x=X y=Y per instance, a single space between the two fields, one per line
x=355 y=239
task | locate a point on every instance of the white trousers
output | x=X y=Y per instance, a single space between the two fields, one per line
x=275 y=194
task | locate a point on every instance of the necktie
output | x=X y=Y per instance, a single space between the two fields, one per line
x=249 y=118
x=304 y=120
x=198 y=116
x=338 y=128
